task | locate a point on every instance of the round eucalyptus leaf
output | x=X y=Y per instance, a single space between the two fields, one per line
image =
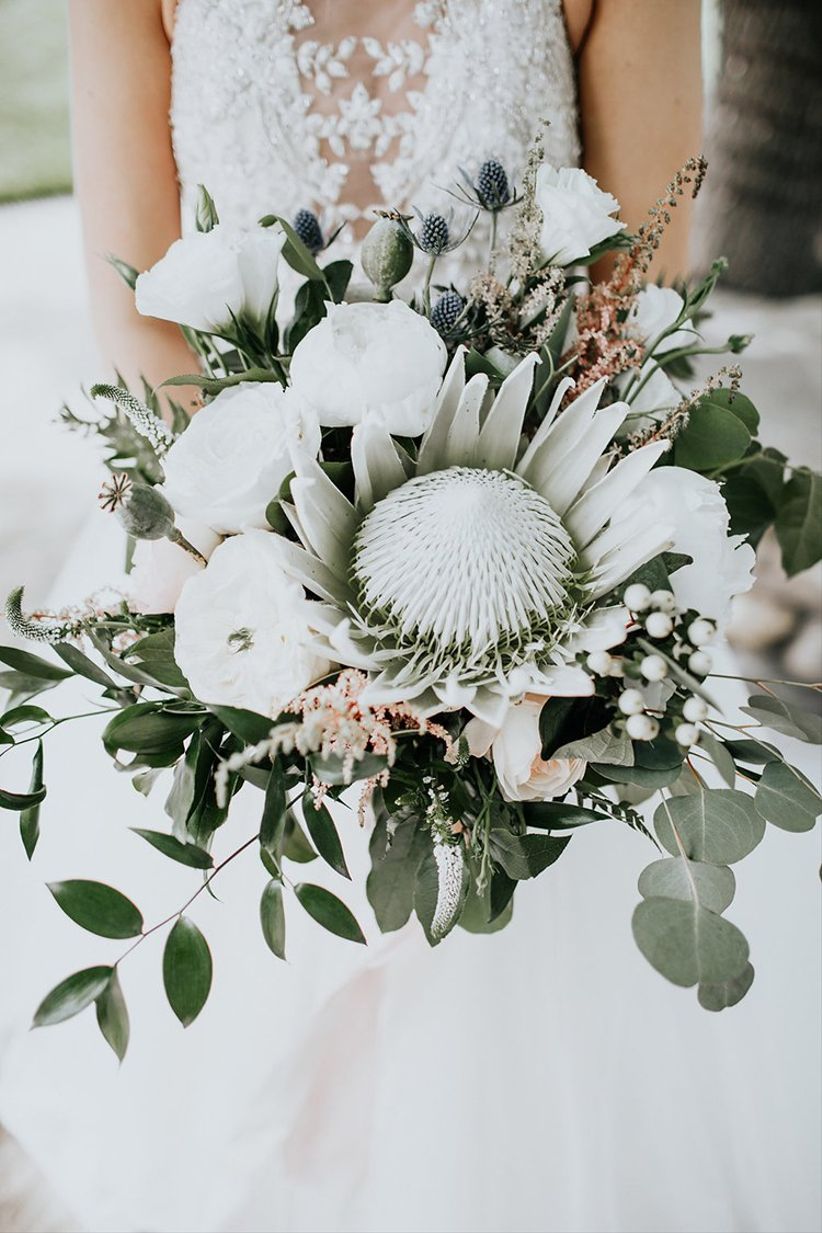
x=722 y=994
x=187 y=970
x=687 y=943
x=718 y=825
x=787 y=799
x=99 y=908
x=272 y=918
x=711 y=886
x=71 y=996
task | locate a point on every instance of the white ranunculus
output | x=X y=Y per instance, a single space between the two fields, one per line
x=576 y=214
x=516 y=749
x=244 y=629
x=207 y=273
x=365 y=360
x=231 y=460
x=656 y=309
x=693 y=506
x=161 y=568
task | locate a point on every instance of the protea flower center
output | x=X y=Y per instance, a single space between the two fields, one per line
x=464 y=560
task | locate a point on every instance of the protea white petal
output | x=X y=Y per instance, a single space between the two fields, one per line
x=433 y=442
x=326 y=496
x=313 y=574
x=564 y=475
x=326 y=539
x=461 y=442
x=602 y=629
x=566 y=433
x=540 y=435
x=500 y=434
x=377 y=465
x=595 y=507
x=619 y=563
x=560 y=681
x=489 y=705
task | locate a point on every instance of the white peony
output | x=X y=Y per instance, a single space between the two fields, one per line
x=207 y=273
x=231 y=460
x=161 y=568
x=516 y=749
x=694 y=509
x=655 y=309
x=244 y=632
x=368 y=360
x=576 y=214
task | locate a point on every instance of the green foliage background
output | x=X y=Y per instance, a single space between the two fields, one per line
x=34 y=114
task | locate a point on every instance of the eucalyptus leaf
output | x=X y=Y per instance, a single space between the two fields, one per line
x=272 y=918
x=609 y=746
x=71 y=996
x=722 y=994
x=720 y=755
x=675 y=877
x=687 y=943
x=719 y=826
x=784 y=717
x=112 y=1016
x=713 y=436
x=798 y=521
x=99 y=908
x=787 y=799
x=184 y=853
x=187 y=970
x=329 y=911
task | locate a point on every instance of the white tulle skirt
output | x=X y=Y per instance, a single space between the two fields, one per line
x=543 y=1078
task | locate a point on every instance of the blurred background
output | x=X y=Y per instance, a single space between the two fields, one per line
x=761 y=207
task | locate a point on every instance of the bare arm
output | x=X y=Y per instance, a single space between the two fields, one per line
x=640 y=84
x=125 y=175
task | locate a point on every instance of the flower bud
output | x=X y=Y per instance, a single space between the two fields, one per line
x=386 y=255
x=146 y=513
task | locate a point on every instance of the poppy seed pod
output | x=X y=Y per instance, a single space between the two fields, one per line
x=386 y=256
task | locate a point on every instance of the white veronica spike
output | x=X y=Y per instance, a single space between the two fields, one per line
x=542 y=432
x=461 y=441
x=447 y=402
x=589 y=514
x=377 y=465
x=500 y=434
x=562 y=479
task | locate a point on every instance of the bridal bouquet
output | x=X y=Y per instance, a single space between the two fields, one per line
x=454 y=557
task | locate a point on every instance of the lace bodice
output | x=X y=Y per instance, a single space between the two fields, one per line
x=271 y=118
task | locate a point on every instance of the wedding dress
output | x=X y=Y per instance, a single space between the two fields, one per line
x=543 y=1078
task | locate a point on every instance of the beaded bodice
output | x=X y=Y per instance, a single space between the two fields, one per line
x=272 y=118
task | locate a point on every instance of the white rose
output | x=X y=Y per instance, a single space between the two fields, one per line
x=516 y=749
x=161 y=568
x=207 y=273
x=656 y=309
x=244 y=629
x=693 y=506
x=364 y=360
x=575 y=214
x=231 y=460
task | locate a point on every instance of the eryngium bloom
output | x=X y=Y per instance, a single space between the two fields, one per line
x=473 y=573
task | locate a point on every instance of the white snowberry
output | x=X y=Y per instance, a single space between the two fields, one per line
x=695 y=709
x=637 y=597
x=700 y=663
x=687 y=734
x=654 y=668
x=663 y=601
x=659 y=624
x=631 y=702
x=641 y=727
x=600 y=662
x=700 y=632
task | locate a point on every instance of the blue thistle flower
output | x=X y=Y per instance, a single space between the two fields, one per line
x=491 y=185
x=309 y=231
x=434 y=234
x=446 y=312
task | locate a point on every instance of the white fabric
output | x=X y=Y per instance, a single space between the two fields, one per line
x=544 y=1078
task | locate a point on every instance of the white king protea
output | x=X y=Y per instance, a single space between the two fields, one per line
x=470 y=575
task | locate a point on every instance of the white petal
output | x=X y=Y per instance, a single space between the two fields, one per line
x=377 y=466
x=489 y=705
x=479 y=736
x=433 y=443
x=562 y=389
x=461 y=441
x=312 y=574
x=563 y=681
x=564 y=473
x=623 y=558
x=604 y=628
x=501 y=432
x=592 y=510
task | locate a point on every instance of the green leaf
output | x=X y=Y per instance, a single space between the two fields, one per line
x=720 y=755
x=19 y=801
x=787 y=799
x=782 y=717
x=609 y=746
x=338 y=276
x=30 y=818
x=247 y=725
x=711 y=886
x=396 y=856
x=525 y=856
x=722 y=994
x=275 y=809
x=477 y=912
x=677 y=671
x=112 y=1016
x=296 y=846
x=643 y=776
x=71 y=996
x=323 y=832
x=714 y=435
x=187 y=970
x=555 y=816
x=185 y=853
x=687 y=943
x=24 y=715
x=145 y=728
x=99 y=908
x=328 y=911
x=718 y=826
x=754 y=752
x=552 y=719
x=798 y=522
x=32 y=665
x=155 y=655
x=83 y=666
x=294 y=251
x=272 y=918
x=334 y=772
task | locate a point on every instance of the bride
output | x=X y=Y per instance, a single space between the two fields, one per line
x=495 y=1083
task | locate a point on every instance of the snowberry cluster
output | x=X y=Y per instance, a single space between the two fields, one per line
x=658 y=618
